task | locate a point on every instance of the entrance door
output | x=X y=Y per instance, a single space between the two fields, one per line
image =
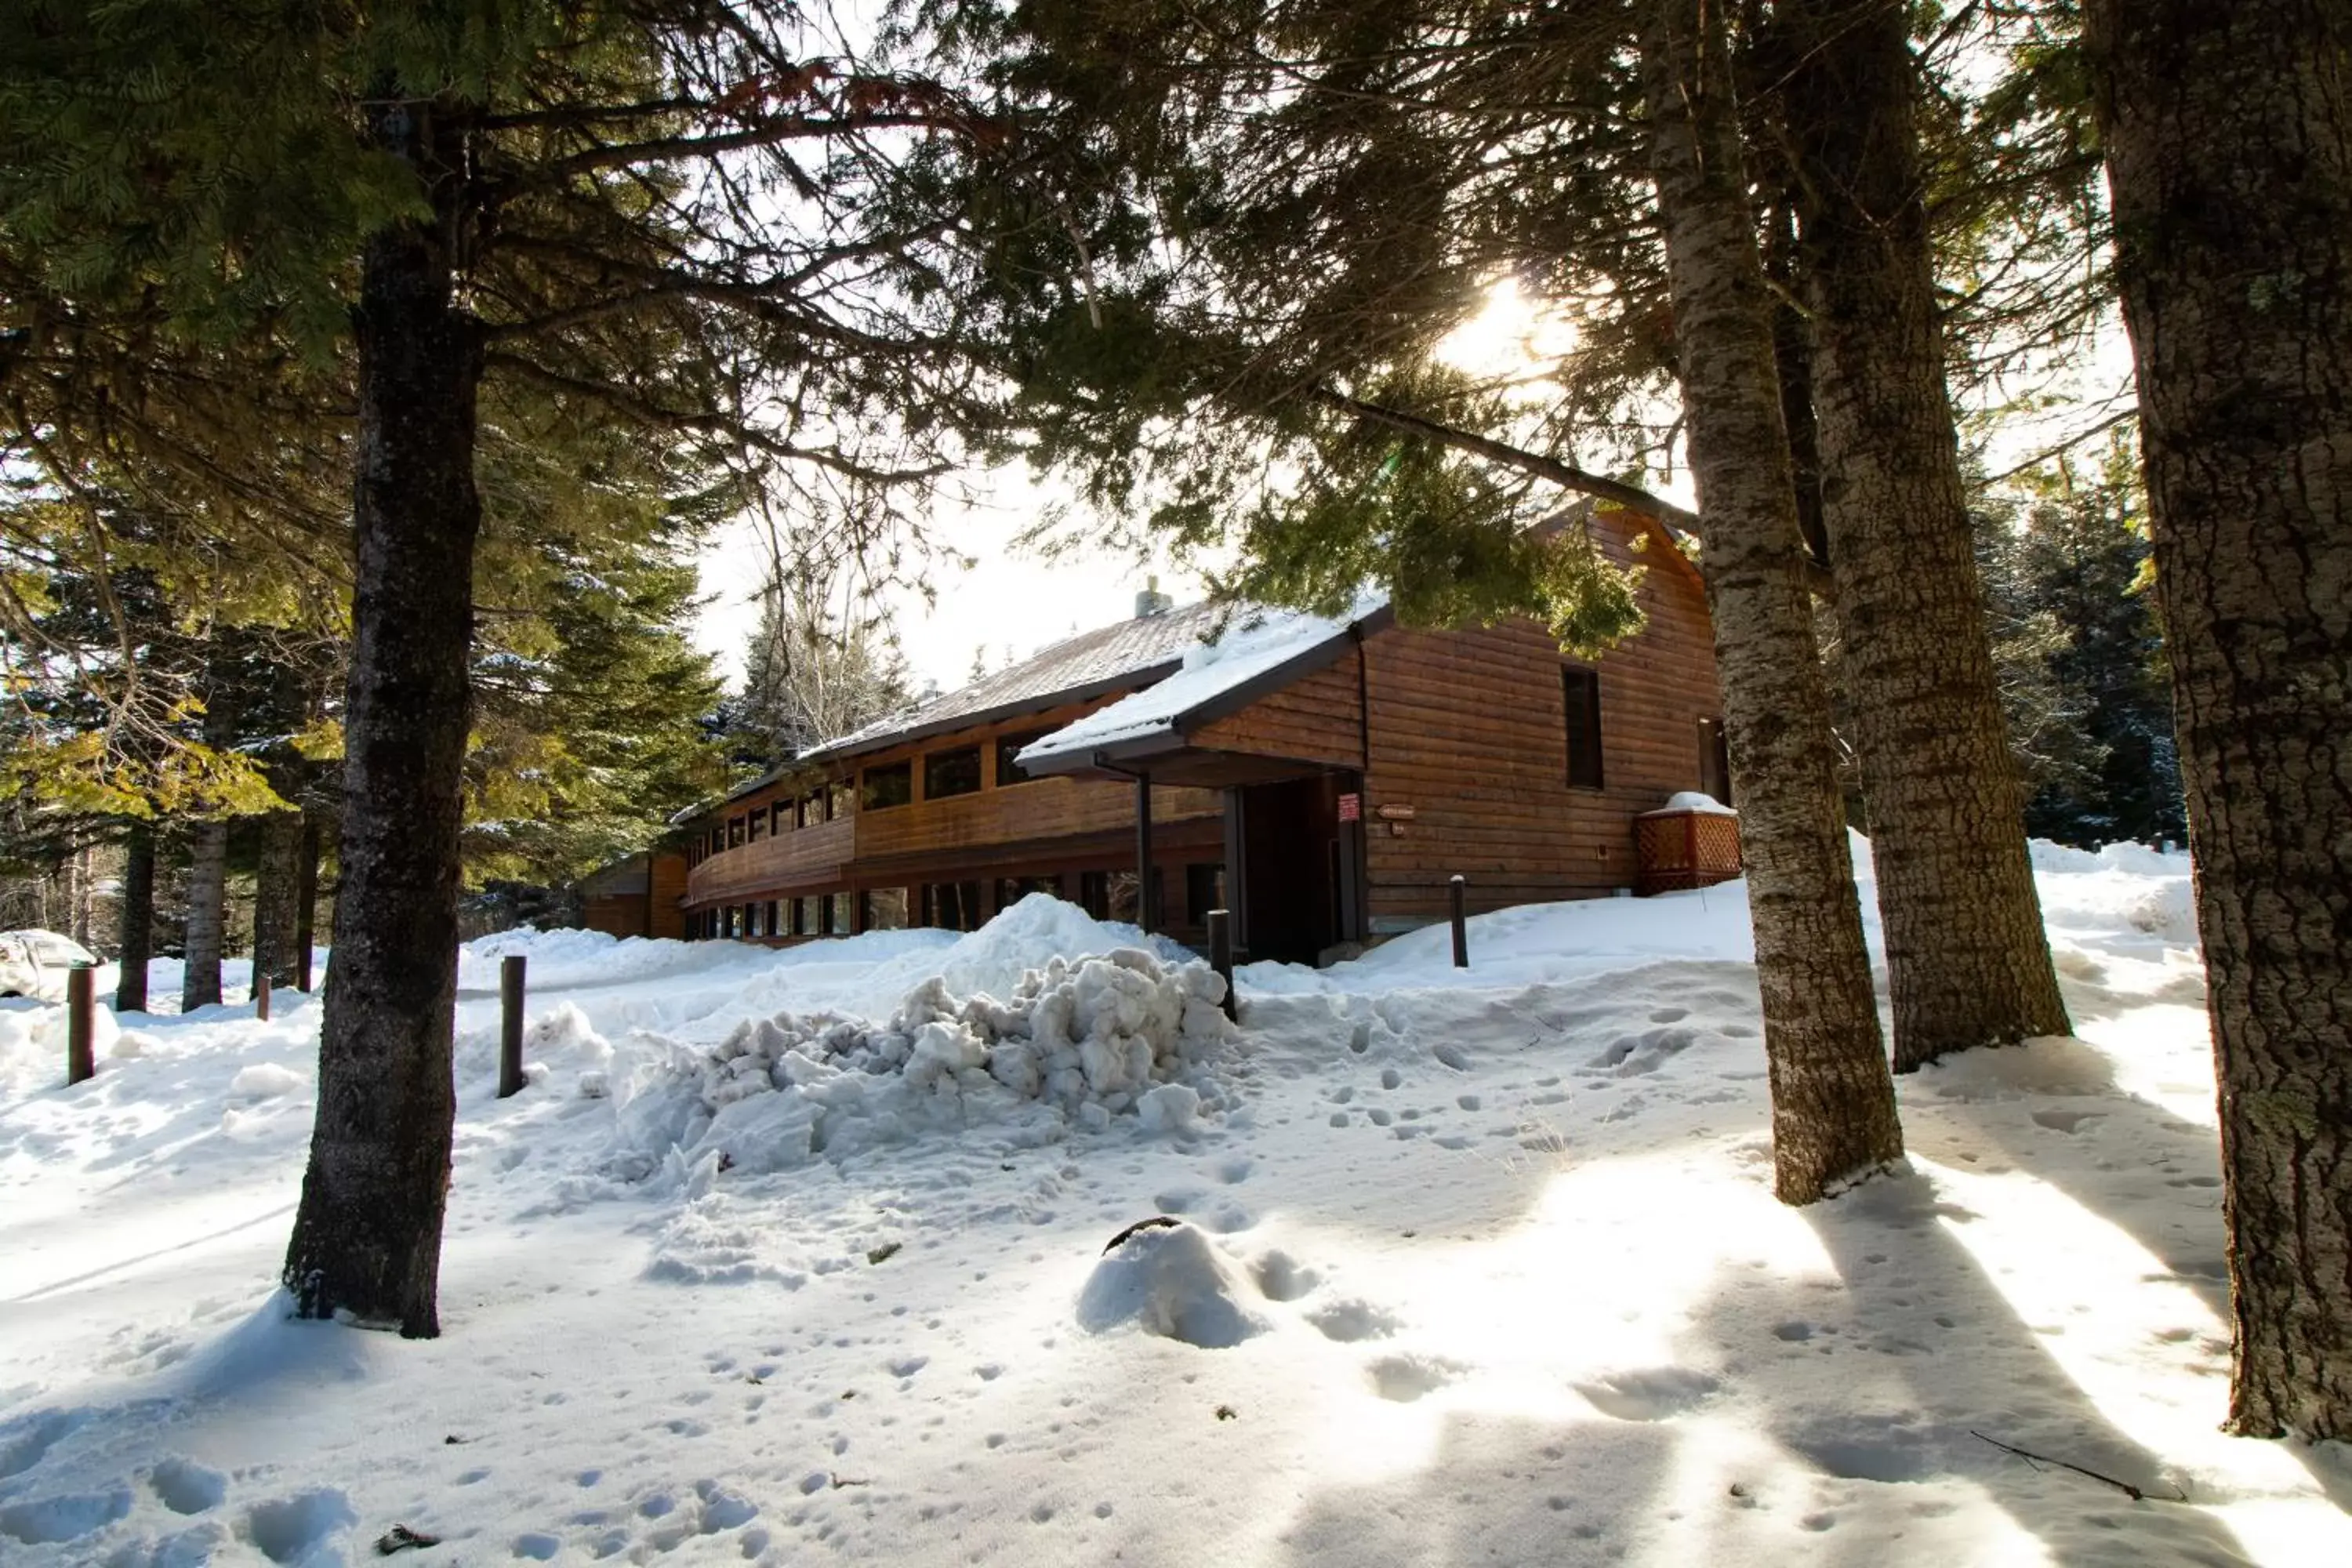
x=1299 y=880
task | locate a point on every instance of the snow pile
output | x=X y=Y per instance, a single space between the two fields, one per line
x=1168 y=1280
x=570 y=958
x=1091 y=1038
x=2121 y=887
x=33 y=1044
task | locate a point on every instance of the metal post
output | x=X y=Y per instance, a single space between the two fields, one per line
x=1143 y=911
x=81 y=1017
x=1221 y=955
x=260 y=992
x=511 y=1025
x=1461 y=926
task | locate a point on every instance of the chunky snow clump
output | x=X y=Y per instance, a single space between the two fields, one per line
x=1089 y=1038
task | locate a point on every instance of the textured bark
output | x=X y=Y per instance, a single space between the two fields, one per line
x=1832 y=1099
x=136 y=939
x=306 y=897
x=367 y=1236
x=275 y=886
x=200 y=977
x=2229 y=142
x=1967 y=959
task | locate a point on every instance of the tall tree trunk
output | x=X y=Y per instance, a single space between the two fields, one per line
x=137 y=936
x=306 y=896
x=2228 y=132
x=200 y=950
x=276 y=888
x=1967 y=959
x=1832 y=1101
x=82 y=898
x=367 y=1236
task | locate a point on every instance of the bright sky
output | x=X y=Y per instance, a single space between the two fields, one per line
x=1010 y=603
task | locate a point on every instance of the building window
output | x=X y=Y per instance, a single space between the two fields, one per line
x=951 y=906
x=1581 y=689
x=838 y=802
x=1094 y=893
x=951 y=773
x=1205 y=890
x=1008 y=748
x=780 y=818
x=1120 y=888
x=836 y=914
x=1010 y=891
x=886 y=909
x=889 y=785
x=758 y=826
x=775 y=927
x=752 y=925
x=1715 y=760
x=734 y=831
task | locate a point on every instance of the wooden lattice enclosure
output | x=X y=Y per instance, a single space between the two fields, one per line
x=1686 y=849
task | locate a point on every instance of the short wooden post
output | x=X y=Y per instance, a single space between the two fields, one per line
x=511 y=1025
x=1221 y=955
x=1456 y=891
x=260 y=992
x=81 y=1019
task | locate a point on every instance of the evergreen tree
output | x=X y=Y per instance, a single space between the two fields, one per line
x=1834 y=1114
x=1966 y=956
x=2228 y=134
x=2084 y=675
x=651 y=212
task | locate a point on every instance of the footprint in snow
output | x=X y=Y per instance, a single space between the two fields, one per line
x=1648 y=1393
x=186 y=1487
x=1347 y=1321
x=1402 y=1379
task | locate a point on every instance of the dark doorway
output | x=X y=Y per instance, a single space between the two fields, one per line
x=1299 y=880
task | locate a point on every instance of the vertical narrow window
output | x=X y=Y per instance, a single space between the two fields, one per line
x=1715 y=760
x=1581 y=693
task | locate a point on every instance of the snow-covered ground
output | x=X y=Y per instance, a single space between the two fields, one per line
x=771 y=1262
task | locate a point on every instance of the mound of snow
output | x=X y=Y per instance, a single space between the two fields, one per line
x=1170 y=1281
x=1694 y=800
x=1125 y=1031
x=2052 y=1066
x=266 y=1080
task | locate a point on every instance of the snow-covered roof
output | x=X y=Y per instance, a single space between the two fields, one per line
x=1255 y=644
x=1108 y=659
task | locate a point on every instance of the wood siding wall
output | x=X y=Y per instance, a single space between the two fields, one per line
x=1469 y=729
x=1316 y=718
x=668 y=918
x=894 y=845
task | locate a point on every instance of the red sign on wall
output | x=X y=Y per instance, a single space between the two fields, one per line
x=1351 y=808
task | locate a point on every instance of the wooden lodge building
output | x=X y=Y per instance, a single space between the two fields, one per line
x=1322 y=779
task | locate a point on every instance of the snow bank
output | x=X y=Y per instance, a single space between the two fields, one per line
x=1127 y=1031
x=33 y=1044
x=1169 y=1281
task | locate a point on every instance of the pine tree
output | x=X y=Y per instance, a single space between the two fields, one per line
x=2084 y=675
x=1967 y=959
x=647 y=212
x=1833 y=1114
x=2228 y=133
